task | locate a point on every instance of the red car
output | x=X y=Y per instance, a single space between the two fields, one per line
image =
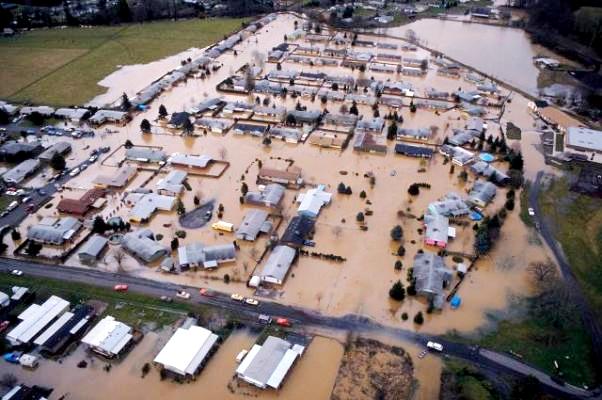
x=121 y=288
x=4 y=325
x=206 y=292
x=283 y=322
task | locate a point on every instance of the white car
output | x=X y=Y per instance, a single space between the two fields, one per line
x=531 y=211
x=251 y=302
x=16 y=272
x=183 y=294
x=434 y=346
x=74 y=172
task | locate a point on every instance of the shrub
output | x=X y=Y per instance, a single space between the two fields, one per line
x=359 y=217
x=419 y=318
x=397 y=233
x=226 y=278
x=398 y=265
x=414 y=190
x=401 y=251
x=509 y=204
x=363 y=194
x=180 y=234
x=404 y=316
x=397 y=291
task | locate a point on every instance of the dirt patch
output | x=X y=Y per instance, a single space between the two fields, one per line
x=373 y=370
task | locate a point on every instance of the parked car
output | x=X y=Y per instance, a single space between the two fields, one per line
x=93 y=158
x=531 y=211
x=16 y=272
x=121 y=287
x=264 y=319
x=4 y=325
x=13 y=357
x=166 y=299
x=237 y=297
x=74 y=172
x=434 y=346
x=26 y=200
x=283 y=322
x=183 y=294
x=251 y=302
x=206 y=292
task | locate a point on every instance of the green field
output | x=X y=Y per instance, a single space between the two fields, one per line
x=62 y=66
x=577 y=222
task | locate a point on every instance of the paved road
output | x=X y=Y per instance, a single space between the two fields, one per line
x=590 y=321
x=38 y=199
x=297 y=315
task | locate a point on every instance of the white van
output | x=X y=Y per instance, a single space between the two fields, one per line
x=434 y=346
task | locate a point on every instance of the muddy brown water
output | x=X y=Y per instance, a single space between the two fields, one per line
x=360 y=284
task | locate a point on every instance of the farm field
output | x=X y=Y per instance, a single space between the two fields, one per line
x=62 y=67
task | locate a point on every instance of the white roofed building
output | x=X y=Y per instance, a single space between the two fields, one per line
x=267 y=365
x=35 y=318
x=187 y=350
x=109 y=337
x=312 y=201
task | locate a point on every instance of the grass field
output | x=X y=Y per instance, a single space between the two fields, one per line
x=62 y=66
x=131 y=308
x=577 y=221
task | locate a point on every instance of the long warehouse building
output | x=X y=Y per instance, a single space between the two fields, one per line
x=35 y=318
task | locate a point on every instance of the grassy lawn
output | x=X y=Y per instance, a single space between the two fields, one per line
x=524 y=338
x=577 y=220
x=524 y=206
x=5 y=201
x=132 y=308
x=62 y=66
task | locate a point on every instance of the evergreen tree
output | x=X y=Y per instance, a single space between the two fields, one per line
x=162 y=112
x=125 y=102
x=397 y=291
x=123 y=11
x=145 y=126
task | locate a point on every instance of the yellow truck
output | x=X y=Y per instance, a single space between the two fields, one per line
x=223 y=226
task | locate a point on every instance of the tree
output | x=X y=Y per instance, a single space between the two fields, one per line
x=509 y=205
x=244 y=188
x=398 y=265
x=335 y=86
x=397 y=291
x=392 y=131
x=528 y=387
x=516 y=162
x=33 y=248
x=348 y=12
x=145 y=126
x=412 y=107
x=414 y=189
x=196 y=200
x=119 y=257
x=187 y=127
x=15 y=235
x=542 y=273
x=128 y=144
x=419 y=318
x=363 y=194
x=57 y=162
x=359 y=217
x=125 y=101
x=175 y=243
x=341 y=188
x=99 y=225
x=353 y=110
x=291 y=120
x=180 y=209
x=162 y=112
x=401 y=251
x=123 y=11
x=267 y=141
x=396 y=233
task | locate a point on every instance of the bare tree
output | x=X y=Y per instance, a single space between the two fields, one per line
x=542 y=273
x=337 y=231
x=223 y=153
x=119 y=257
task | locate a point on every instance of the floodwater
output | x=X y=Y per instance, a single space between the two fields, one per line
x=359 y=285
x=312 y=377
x=130 y=79
x=504 y=53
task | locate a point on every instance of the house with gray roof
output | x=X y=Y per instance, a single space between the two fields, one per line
x=450 y=205
x=414 y=134
x=269 y=114
x=108 y=116
x=55 y=231
x=118 y=179
x=145 y=154
x=172 y=184
x=371 y=125
x=271 y=196
x=12 y=151
x=141 y=244
x=289 y=135
x=482 y=193
x=144 y=205
x=72 y=114
x=61 y=148
x=490 y=172
x=338 y=122
x=254 y=222
x=198 y=255
x=437 y=230
x=369 y=142
x=278 y=264
x=208 y=106
x=21 y=172
x=90 y=251
x=189 y=160
x=42 y=110
x=431 y=276
x=304 y=117
x=215 y=125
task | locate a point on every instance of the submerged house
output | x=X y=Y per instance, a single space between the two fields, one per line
x=482 y=193
x=437 y=230
x=141 y=244
x=270 y=196
x=54 y=231
x=431 y=276
x=278 y=264
x=145 y=154
x=298 y=231
x=109 y=337
x=369 y=142
x=254 y=222
x=312 y=201
x=291 y=176
x=197 y=254
x=451 y=205
x=144 y=205
x=268 y=364
x=490 y=172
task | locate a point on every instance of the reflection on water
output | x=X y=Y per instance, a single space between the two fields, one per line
x=505 y=53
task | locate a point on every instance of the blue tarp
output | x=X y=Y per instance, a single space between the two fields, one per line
x=475 y=216
x=456 y=301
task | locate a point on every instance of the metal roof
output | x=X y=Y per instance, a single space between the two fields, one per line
x=252 y=224
x=93 y=247
x=278 y=264
x=186 y=350
x=54 y=231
